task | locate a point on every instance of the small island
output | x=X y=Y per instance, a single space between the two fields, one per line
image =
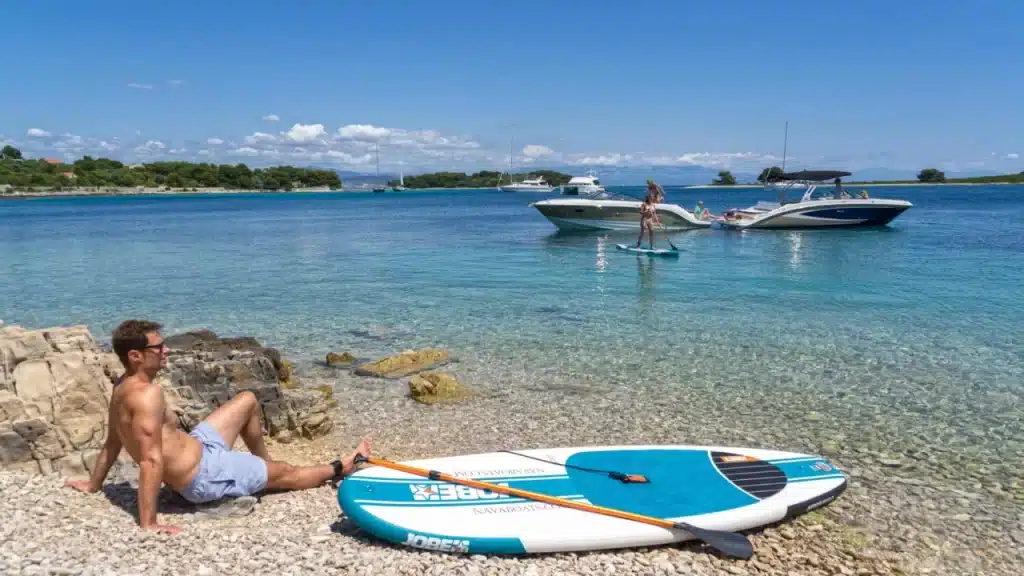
x=98 y=175
x=483 y=179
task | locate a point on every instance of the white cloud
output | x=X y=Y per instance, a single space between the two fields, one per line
x=258 y=138
x=109 y=146
x=69 y=140
x=363 y=132
x=1012 y=156
x=204 y=152
x=214 y=141
x=348 y=158
x=150 y=149
x=720 y=159
x=597 y=160
x=175 y=83
x=177 y=151
x=272 y=118
x=537 y=151
x=305 y=133
x=244 y=151
x=37 y=133
x=139 y=86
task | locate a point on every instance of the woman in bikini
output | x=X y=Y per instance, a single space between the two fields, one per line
x=648 y=217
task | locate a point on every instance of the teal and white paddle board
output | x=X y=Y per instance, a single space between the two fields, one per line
x=716 y=488
x=648 y=251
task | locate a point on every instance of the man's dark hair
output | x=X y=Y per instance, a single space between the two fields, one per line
x=131 y=335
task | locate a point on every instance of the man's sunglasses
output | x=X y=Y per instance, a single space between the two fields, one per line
x=158 y=346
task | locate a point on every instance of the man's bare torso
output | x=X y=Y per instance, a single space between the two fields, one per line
x=181 y=452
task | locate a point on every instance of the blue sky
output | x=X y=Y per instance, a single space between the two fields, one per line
x=445 y=84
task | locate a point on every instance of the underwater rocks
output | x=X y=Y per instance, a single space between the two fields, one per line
x=405 y=364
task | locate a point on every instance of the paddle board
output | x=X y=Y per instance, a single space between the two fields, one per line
x=648 y=251
x=716 y=488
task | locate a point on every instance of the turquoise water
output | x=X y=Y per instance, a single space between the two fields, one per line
x=923 y=318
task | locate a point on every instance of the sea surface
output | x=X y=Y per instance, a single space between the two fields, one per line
x=922 y=320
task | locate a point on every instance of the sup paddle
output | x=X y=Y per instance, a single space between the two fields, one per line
x=728 y=543
x=667 y=239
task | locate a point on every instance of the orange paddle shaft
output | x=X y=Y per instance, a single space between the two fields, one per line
x=435 y=475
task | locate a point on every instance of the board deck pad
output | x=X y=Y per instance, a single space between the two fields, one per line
x=710 y=487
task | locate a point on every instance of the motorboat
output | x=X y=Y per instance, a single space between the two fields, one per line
x=528 y=185
x=599 y=209
x=582 y=185
x=837 y=208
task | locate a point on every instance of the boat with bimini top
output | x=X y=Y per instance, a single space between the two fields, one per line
x=824 y=210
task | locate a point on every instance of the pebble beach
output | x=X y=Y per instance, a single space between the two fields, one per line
x=887 y=522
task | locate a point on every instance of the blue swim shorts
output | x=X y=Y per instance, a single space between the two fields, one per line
x=223 y=473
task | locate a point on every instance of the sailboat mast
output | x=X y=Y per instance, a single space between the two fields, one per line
x=785 y=144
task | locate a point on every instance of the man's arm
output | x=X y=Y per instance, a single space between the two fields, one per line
x=107 y=456
x=147 y=418
x=111 y=449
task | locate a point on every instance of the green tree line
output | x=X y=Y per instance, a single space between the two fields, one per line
x=483 y=179
x=92 y=172
x=926 y=175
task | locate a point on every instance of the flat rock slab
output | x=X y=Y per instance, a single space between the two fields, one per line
x=405 y=364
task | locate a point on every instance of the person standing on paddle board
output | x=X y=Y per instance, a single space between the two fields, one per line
x=648 y=217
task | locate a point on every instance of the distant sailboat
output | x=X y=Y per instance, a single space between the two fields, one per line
x=401 y=183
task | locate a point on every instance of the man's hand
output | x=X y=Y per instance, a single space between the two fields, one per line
x=162 y=528
x=81 y=486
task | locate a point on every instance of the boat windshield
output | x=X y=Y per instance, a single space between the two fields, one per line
x=598 y=194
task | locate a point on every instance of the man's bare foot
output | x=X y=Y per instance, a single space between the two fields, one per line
x=162 y=528
x=80 y=485
x=348 y=463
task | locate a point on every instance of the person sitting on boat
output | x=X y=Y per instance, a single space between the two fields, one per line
x=648 y=217
x=840 y=193
x=864 y=193
x=656 y=190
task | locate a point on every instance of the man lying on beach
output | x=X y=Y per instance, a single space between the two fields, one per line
x=201 y=466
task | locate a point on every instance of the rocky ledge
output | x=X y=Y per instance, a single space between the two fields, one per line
x=55 y=385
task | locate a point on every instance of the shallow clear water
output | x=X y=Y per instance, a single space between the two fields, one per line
x=923 y=318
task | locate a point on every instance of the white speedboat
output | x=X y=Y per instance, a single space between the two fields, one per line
x=600 y=209
x=528 y=185
x=834 y=209
x=582 y=185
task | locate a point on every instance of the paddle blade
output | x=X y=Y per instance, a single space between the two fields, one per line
x=728 y=543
